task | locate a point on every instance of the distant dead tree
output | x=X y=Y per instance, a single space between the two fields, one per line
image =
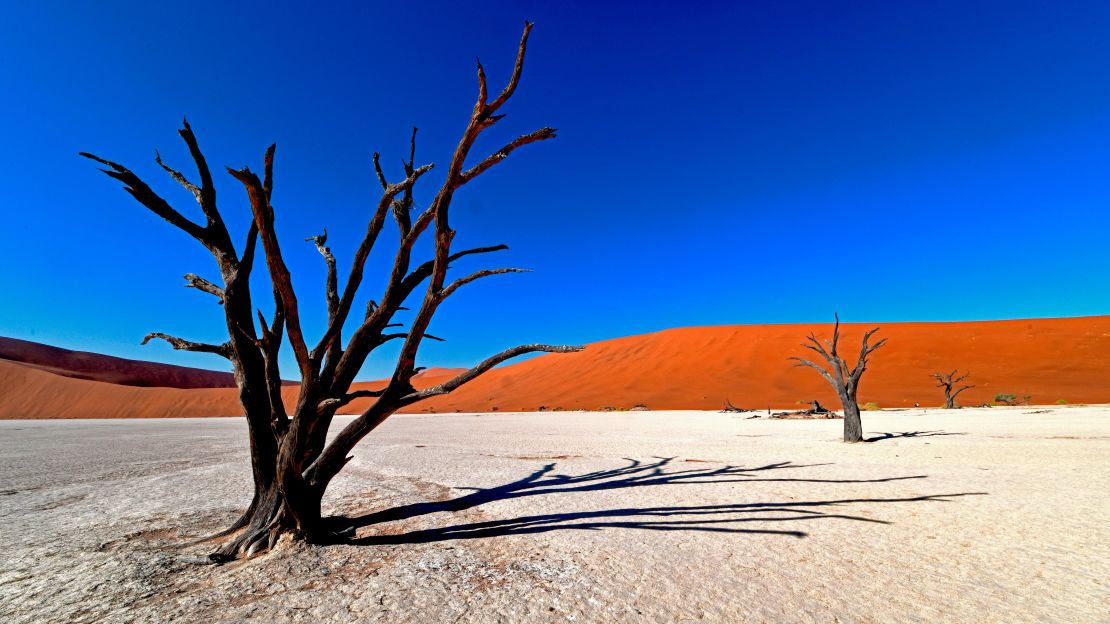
x=951 y=384
x=843 y=379
x=292 y=461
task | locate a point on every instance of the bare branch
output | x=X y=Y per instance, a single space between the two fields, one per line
x=246 y=265
x=518 y=68
x=207 y=199
x=483 y=89
x=539 y=135
x=179 y=344
x=363 y=252
x=338 y=402
x=180 y=178
x=279 y=273
x=864 y=352
x=462 y=281
x=195 y=281
x=816 y=346
x=147 y=197
x=378 y=170
x=484 y=366
x=332 y=285
x=957 y=392
x=820 y=369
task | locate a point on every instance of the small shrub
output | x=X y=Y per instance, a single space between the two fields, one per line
x=1061 y=402
x=869 y=407
x=1005 y=398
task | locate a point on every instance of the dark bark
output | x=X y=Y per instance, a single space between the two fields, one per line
x=843 y=379
x=950 y=382
x=291 y=464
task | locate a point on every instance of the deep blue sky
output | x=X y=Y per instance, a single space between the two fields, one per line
x=731 y=163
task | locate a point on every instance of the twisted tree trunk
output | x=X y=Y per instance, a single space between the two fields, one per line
x=291 y=462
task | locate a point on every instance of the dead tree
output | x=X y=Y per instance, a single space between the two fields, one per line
x=843 y=379
x=292 y=461
x=950 y=381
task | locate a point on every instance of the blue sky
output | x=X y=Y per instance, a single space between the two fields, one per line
x=729 y=163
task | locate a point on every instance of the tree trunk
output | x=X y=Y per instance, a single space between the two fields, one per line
x=274 y=512
x=853 y=426
x=949 y=402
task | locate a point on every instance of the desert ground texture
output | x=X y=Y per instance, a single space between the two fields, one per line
x=976 y=515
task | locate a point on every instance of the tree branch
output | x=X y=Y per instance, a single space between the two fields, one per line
x=180 y=178
x=518 y=68
x=539 y=135
x=195 y=281
x=332 y=285
x=258 y=194
x=207 y=200
x=363 y=252
x=484 y=366
x=147 y=197
x=179 y=344
x=824 y=373
x=462 y=281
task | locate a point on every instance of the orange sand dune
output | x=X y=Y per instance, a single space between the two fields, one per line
x=687 y=368
x=699 y=367
x=97 y=367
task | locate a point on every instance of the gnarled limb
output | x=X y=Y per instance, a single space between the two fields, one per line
x=180 y=344
x=203 y=285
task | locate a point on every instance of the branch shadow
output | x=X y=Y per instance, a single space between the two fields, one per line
x=910 y=434
x=723 y=518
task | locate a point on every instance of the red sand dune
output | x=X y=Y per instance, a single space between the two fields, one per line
x=687 y=368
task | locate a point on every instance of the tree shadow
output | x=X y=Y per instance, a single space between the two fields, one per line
x=705 y=518
x=910 y=434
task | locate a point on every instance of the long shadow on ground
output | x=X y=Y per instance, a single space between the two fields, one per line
x=727 y=518
x=911 y=434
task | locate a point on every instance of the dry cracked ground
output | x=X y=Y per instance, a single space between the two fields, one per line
x=984 y=515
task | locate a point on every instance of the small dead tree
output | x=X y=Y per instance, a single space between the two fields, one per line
x=292 y=461
x=951 y=384
x=843 y=379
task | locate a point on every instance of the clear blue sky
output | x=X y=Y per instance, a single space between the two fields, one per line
x=730 y=163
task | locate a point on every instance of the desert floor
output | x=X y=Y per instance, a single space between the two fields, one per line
x=977 y=515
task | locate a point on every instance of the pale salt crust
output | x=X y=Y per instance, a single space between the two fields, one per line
x=982 y=515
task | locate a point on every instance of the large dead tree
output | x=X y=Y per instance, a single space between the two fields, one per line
x=291 y=459
x=951 y=384
x=844 y=379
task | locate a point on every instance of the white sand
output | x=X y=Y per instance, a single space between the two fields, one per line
x=999 y=515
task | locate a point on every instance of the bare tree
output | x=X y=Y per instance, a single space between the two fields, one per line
x=291 y=459
x=843 y=379
x=950 y=381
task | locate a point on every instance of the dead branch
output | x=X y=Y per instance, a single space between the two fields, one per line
x=180 y=344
